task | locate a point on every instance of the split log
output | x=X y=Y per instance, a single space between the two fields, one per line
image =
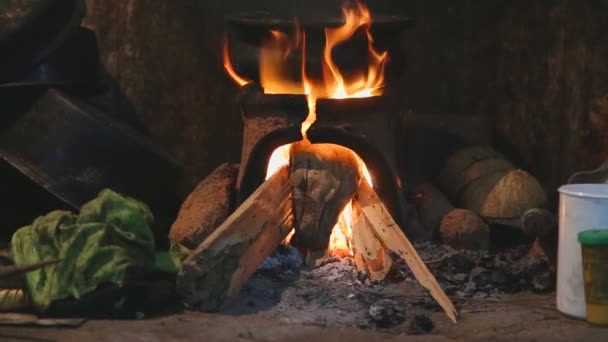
x=370 y=255
x=432 y=206
x=481 y=179
x=205 y=208
x=393 y=239
x=219 y=267
x=459 y=228
x=503 y=195
x=467 y=165
x=324 y=179
x=462 y=228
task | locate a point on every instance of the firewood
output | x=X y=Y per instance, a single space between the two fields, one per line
x=393 y=239
x=219 y=267
x=324 y=179
x=538 y=222
x=503 y=195
x=464 y=166
x=462 y=228
x=205 y=208
x=370 y=255
x=432 y=205
x=476 y=171
x=459 y=228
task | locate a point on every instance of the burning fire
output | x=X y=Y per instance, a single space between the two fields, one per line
x=275 y=78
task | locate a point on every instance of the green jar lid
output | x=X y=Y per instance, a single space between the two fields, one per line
x=593 y=237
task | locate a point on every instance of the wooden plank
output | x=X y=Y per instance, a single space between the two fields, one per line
x=393 y=238
x=369 y=252
x=219 y=267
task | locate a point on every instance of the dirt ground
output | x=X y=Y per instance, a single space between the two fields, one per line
x=496 y=299
x=517 y=318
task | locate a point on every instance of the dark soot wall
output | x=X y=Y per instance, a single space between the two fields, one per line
x=538 y=69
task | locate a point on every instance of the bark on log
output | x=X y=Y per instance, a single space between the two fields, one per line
x=462 y=228
x=468 y=165
x=432 y=206
x=324 y=179
x=219 y=267
x=393 y=239
x=205 y=208
x=459 y=228
x=503 y=195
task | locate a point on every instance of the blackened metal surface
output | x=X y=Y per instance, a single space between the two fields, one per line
x=383 y=177
x=74 y=151
x=255 y=168
x=247 y=32
x=364 y=125
x=255 y=103
x=74 y=65
x=30 y=28
x=266 y=21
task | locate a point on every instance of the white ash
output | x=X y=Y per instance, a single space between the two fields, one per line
x=335 y=295
x=285 y=257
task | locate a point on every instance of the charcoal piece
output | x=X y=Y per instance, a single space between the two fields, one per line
x=499 y=277
x=543 y=282
x=386 y=313
x=422 y=324
x=460 y=263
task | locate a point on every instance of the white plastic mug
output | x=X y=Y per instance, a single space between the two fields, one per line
x=581 y=207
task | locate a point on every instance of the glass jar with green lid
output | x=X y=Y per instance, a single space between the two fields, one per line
x=594 y=245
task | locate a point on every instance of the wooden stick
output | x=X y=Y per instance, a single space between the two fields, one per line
x=220 y=266
x=370 y=255
x=393 y=238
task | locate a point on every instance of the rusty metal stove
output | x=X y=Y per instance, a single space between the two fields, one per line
x=368 y=126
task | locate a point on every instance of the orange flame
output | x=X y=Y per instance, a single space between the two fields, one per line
x=365 y=86
x=229 y=69
x=276 y=78
x=340 y=241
